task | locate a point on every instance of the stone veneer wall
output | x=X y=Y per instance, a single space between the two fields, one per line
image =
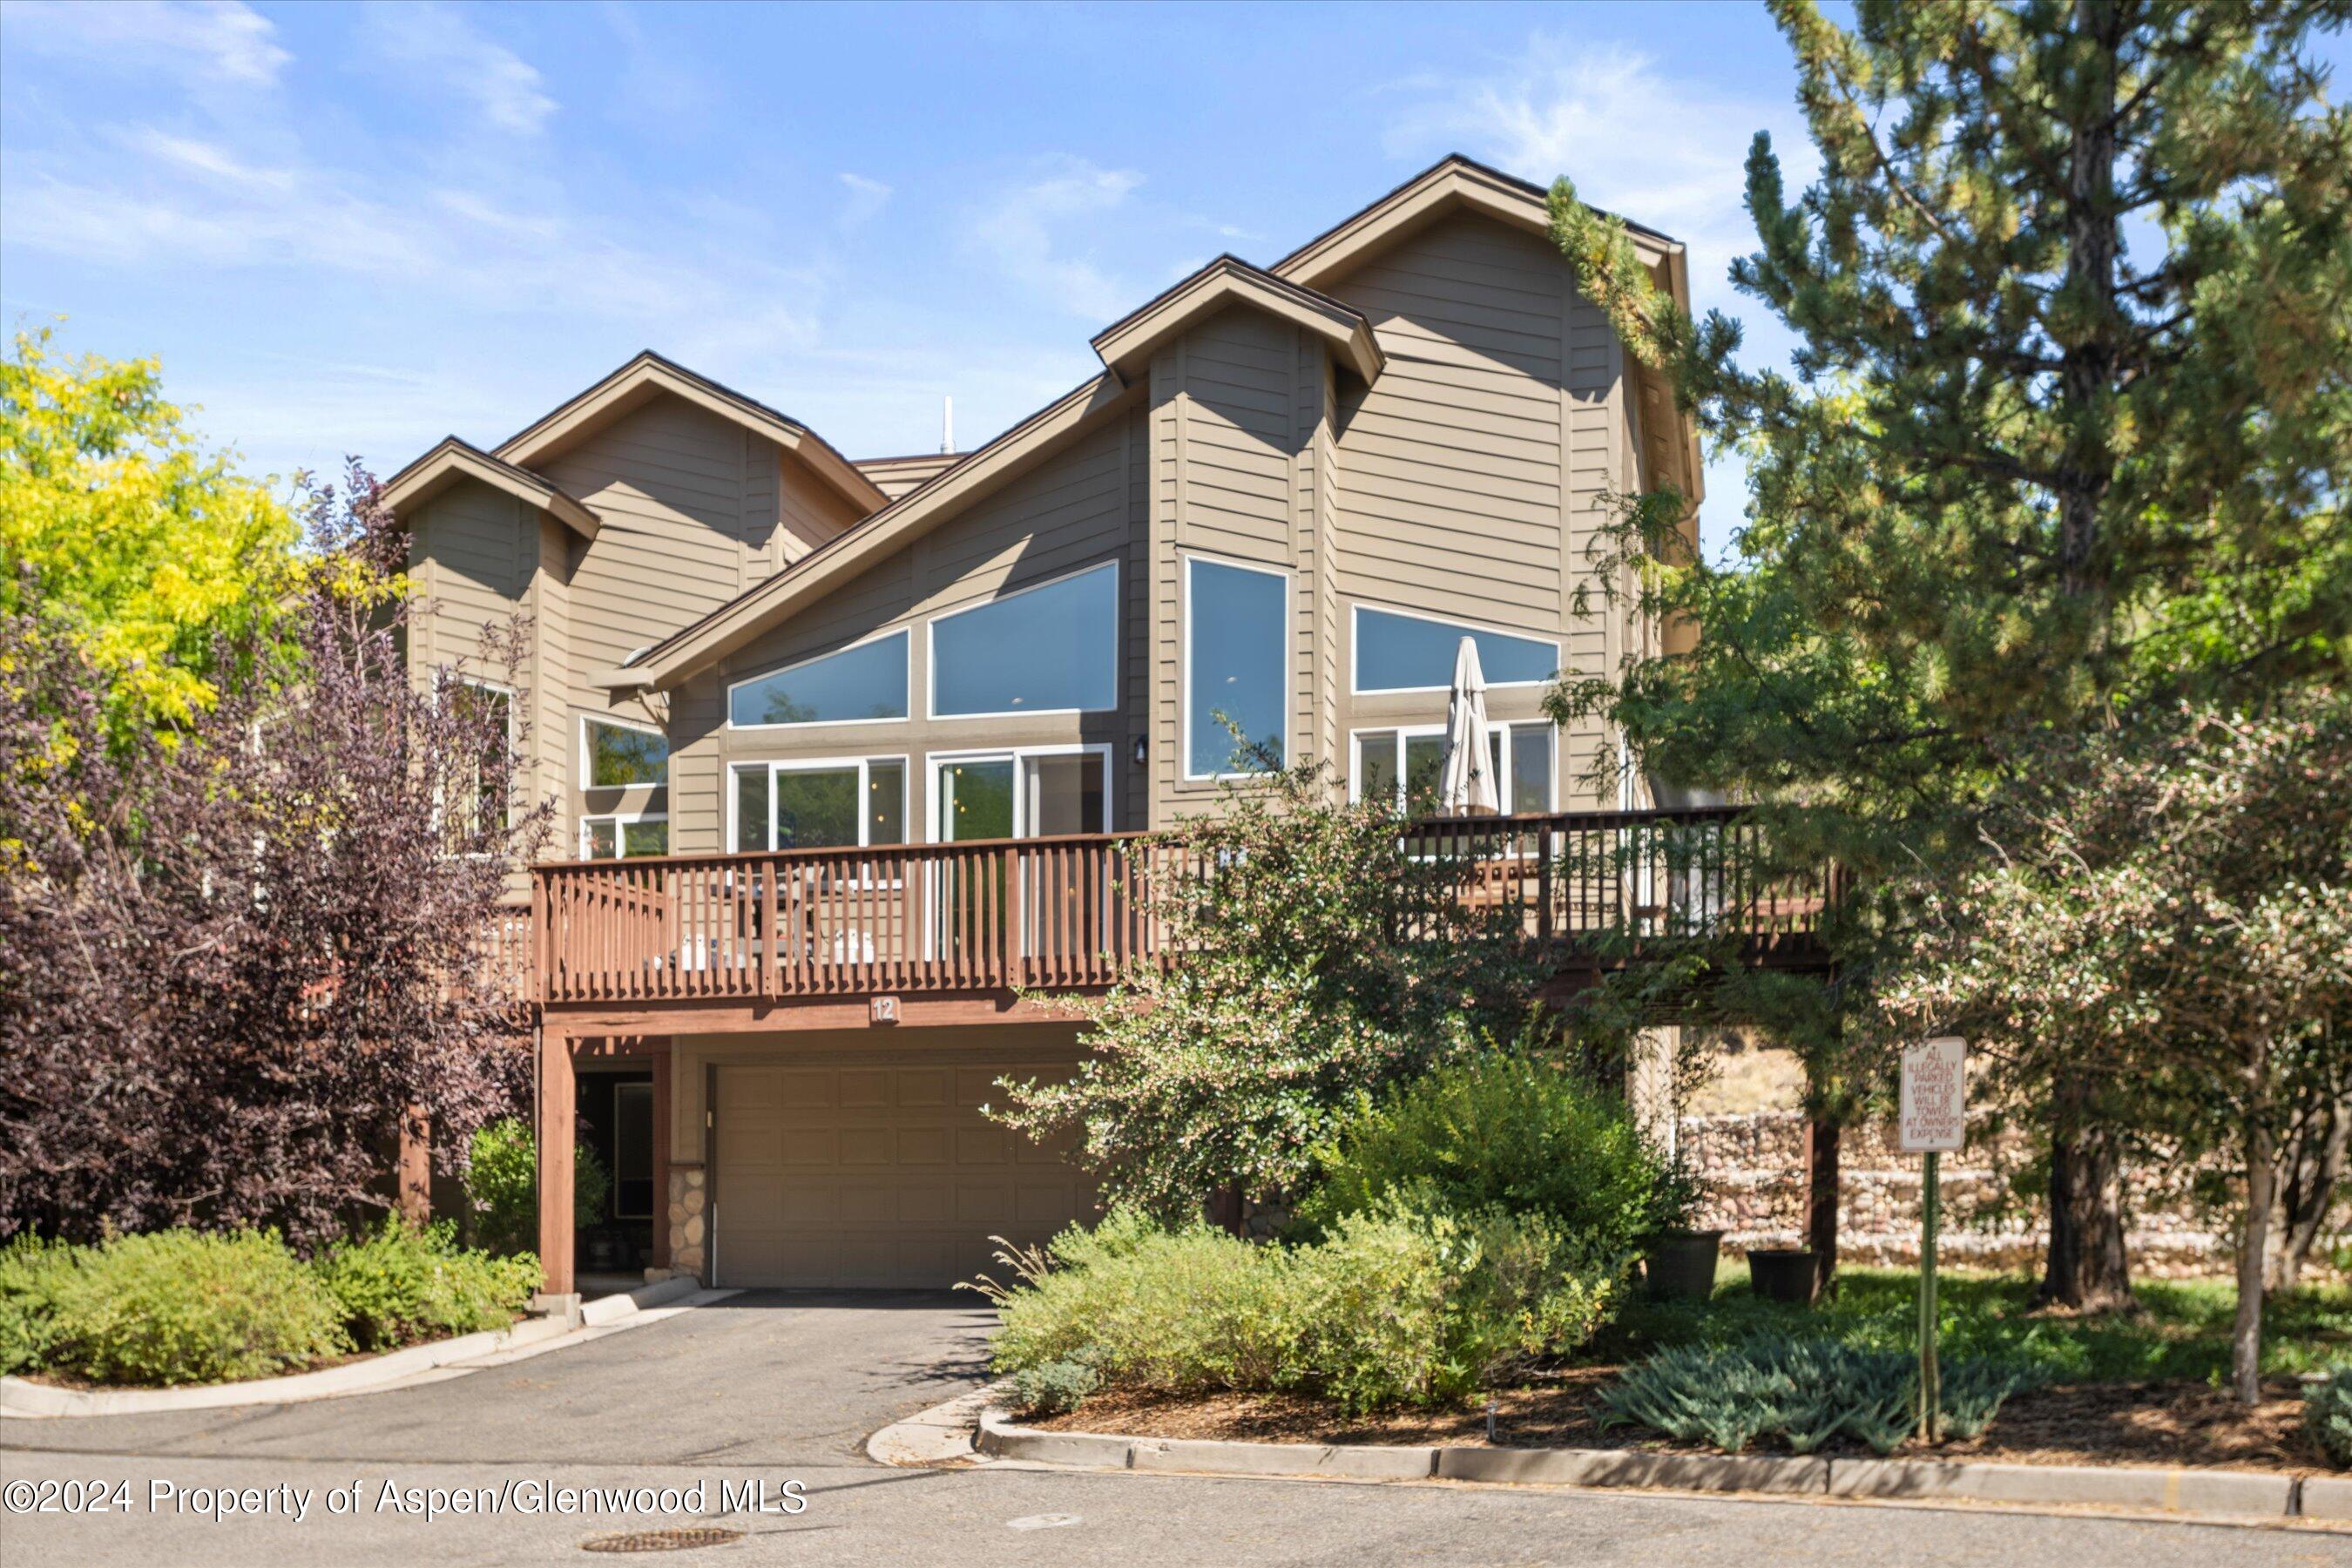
x=1752 y=1166
x=687 y=1221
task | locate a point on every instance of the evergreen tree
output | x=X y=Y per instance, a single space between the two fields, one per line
x=2068 y=436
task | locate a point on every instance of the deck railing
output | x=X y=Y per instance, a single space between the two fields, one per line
x=1076 y=912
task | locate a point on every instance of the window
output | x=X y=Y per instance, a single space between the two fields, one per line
x=1053 y=648
x=1237 y=658
x=1408 y=766
x=856 y=686
x=484 y=797
x=1396 y=652
x=617 y=755
x=615 y=836
x=818 y=805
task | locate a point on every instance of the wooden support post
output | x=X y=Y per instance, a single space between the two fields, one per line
x=414 y=1190
x=556 y=1115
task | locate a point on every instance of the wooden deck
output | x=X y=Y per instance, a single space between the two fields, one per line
x=951 y=932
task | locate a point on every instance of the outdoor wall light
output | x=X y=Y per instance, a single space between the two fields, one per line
x=1141 y=750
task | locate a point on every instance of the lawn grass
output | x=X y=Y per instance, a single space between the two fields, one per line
x=2181 y=1334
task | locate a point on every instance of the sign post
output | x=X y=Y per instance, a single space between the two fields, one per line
x=1933 y=1114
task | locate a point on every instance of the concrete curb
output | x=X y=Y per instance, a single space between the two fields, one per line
x=2204 y=1494
x=940 y=1435
x=23 y=1400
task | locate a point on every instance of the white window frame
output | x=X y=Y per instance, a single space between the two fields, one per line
x=588 y=757
x=1184 y=661
x=1016 y=755
x=931 y=647
x=858 y=764
x=1356 y=644
x=1410 y=732
x=734 y=686
x=620 y=820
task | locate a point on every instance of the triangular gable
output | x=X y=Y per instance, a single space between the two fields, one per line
x=649 y=376
x=1128 y=345
x=454 y=460
x=867 y=543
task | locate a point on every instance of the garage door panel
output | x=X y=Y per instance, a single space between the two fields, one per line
x=983 y=1146
x=878 y=1176
x=866 y=1145
x=865 y=1086
x=922 y=1086
x=923 y=1145
x=818 y=1146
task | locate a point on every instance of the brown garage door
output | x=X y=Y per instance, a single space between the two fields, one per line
x=877 y=1175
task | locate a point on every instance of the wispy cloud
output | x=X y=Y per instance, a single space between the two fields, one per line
x=213 y=41
x=1665 y=151
x=443 y=48
x=867 y=198
x=1030 y=233
x=183 y=201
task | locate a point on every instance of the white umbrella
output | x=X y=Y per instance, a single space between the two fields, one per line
x=1467 y=783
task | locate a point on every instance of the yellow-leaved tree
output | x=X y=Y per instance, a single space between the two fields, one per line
x=119 y=531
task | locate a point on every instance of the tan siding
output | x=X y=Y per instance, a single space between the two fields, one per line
x=1072 y=511
x=667 y=482
x=1475 y=470
x=809 y=513
x=1235 y=404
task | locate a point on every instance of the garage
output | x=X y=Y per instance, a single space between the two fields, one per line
x=869 y=1168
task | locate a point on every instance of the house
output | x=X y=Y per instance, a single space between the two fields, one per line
x=757 y=668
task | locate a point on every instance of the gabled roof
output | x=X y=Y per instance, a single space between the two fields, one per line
x=1454 y=182
x=453 y=460
x=1128 y=345
x=649 y=374
x=862 y=544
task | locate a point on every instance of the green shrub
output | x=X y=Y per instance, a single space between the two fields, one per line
x=502 y=1184
x=1803 y=1391
x=183 y=1306
x=1500 y=1133
x=396 y=1285
x=1053 y=1389
x=28 y=1272
x=2327 y=1417
x=1393 y=1308
x=1182 y=1311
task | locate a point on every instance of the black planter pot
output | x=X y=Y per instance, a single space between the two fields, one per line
x=1785 y=1274
x=1681 y=1263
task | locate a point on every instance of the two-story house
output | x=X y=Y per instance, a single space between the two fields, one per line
x=755 y=667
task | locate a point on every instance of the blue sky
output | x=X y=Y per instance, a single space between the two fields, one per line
x=355 y=229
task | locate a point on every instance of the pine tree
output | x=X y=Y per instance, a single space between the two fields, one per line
x=2069 y=435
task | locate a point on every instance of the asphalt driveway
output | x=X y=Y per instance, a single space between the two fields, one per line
x=766 y=1378
x=780 y=1390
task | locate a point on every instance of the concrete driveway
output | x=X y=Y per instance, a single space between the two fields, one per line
x=776 y=1388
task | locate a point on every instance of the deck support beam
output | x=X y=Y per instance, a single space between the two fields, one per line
x=557 y=1110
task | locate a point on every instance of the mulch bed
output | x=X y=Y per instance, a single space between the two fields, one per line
x=2155 y=1424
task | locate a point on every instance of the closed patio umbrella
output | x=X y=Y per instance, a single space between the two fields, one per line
x=1467 y=783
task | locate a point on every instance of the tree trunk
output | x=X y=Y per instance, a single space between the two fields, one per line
x=1821 y=1142
x=2088 y=1269
x=2246 y=1333
x=2313 y=1165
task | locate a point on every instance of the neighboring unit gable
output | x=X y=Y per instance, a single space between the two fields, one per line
x=1474 y=471
x=1073 y=510
x=695 y=509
